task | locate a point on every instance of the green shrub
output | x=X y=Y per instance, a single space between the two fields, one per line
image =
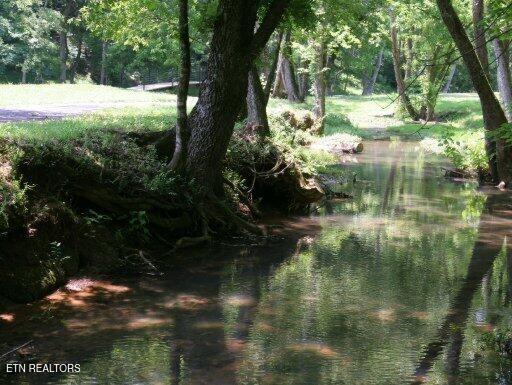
x=466 y=151
x=284 y=141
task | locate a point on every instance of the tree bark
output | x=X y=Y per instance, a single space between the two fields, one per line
x=257 y=119
x=233 y=49
x=369 y=87
x=103 y=71
x=449 y=79
x=478 y=8
x=320 y=85
x=288 y=71
x=182 y=128
x=500 y=156
x=501 y=51
x=397 y=65
x=273 y=68
x=479 y=30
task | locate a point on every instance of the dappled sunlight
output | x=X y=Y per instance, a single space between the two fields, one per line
x=240 y=301
x=385 y=315
x=313 y=348
x=7 y=317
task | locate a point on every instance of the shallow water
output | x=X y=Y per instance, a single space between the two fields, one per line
x=408 y=282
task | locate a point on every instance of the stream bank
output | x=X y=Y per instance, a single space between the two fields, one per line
x=103 y=201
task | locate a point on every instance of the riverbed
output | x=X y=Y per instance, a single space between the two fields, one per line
x=408 y=282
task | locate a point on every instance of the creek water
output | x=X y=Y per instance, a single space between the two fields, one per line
x=409 y=282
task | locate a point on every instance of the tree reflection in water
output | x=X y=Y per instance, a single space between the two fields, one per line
x=385 y=292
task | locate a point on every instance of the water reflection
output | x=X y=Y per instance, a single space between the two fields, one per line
x=387 y=290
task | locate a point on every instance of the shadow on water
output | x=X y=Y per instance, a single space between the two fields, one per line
x=402 y=284
x=493 y=231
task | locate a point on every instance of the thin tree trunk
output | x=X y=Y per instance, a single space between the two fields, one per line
x=257 y=119
x=368 y=89
x=103 y=71
x=63 y=54
x=233 y=49
x=76 y=62
x=330 y=79
x=320 y=85
x=494 y=117
x=397 y=64
x=288 y=71
x=501 y=51
x=409 y=59
x=435 y=76
x=273 y=68
x=449 y=79
x=304 y=81
x=23 y=75
x=182 y=128
x=278 y=90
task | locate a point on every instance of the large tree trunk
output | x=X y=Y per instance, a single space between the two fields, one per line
x=320 y=85
x=478 y=8
x=449 y=79
x=273 y=68
x=501 y=51
x=182 y=129
x=288 y=71
x=257 y=119
x=76 y=62
x=397 y=65
x=103 y=70
x=369 y=86
x=233 y=49
x=480 y=40
x=494 y=117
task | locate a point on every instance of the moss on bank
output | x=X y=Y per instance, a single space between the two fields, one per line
x=90 y=198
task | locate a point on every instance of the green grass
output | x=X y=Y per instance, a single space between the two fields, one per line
x=23 y=95
x=132 y=118
x=458 y=114
x=366 y=117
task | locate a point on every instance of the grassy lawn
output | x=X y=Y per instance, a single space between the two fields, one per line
x=459 y=114
x=138 y=111
x=64 y=94
x=152 y=118
x=357 y=115
x=366 y=117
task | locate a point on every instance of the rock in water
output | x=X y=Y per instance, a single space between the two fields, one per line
x=339 y=144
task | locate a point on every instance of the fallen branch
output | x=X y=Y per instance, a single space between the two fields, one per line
x=16 y=349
